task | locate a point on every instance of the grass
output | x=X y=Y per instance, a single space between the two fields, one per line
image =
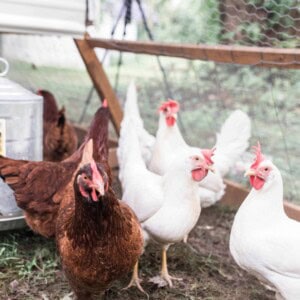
x=30 y=268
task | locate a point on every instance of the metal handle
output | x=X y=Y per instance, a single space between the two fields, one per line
x=6 y=66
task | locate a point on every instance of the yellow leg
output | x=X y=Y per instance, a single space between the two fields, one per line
x=185 y=239
x=164 y=269
x=135 y=280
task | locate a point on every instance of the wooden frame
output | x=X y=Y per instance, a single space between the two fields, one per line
x=101 y=82
x=262 y=57
x=259 y=56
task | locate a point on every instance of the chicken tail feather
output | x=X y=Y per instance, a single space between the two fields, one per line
x=232 y=141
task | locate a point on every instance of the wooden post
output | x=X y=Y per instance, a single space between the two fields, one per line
x=101 y=82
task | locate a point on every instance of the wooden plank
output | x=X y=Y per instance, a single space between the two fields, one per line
x=101 y=82
x=236 y=193
x=260 y=56
x=292 y=210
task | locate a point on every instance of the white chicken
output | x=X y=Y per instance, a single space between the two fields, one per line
x=167 y=206
x=232 y=141
x=131 y=109
x=263 y=240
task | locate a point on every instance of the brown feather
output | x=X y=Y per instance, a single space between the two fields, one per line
x=59 y=136
x=97 y=243
x=40 y=186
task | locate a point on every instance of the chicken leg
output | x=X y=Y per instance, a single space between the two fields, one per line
x=164 y=268
x=135 y=280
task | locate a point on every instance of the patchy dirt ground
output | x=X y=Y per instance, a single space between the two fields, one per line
x=30 y=268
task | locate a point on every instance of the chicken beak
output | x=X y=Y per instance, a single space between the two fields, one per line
x=211 y=168
x=249 y=173
x=99 y=186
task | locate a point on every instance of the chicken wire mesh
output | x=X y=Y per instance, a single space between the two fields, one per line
x=268 y=23
x=207 y=91
x=259 y=22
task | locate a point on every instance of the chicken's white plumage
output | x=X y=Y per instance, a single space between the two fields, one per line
x=160 y=202
x=167 y=145
x=137 y=182
x=265 y=242
x=167 y=206
x=232 y=141
x=146 y=140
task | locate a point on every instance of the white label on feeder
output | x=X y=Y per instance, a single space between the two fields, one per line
x=2 y=137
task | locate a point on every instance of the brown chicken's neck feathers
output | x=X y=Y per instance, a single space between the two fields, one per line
x=50 y=106
x=94 y=222
x=98 y=131
x=61 y=119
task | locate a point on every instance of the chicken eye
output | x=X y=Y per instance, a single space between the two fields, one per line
x=84 y=177
x=266 y=169
x=196 y=158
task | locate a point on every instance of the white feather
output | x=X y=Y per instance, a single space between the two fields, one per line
x=167 y=206
x=231 y=143
x=131 y=110
x=265 y=241
x=141 y=188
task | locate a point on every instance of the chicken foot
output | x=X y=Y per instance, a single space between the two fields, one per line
x=165 y=277
x=164 y=269
x=135 y=280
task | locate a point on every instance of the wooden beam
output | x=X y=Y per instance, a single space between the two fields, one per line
x=101 y=82
x=236 y=193
x=259 y=56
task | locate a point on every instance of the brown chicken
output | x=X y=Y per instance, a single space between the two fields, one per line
x=99 y=238
x=40 y=186
x=59 y=136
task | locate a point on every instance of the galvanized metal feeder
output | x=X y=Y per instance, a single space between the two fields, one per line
x=21 y=114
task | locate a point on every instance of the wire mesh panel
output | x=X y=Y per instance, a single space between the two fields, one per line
x=267 y=23
x=208 y=91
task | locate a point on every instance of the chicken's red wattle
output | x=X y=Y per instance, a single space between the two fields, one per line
x=170 y=121
x=257 y=182
x=198 y=174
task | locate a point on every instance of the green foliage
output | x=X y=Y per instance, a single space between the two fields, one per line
x=15 y=251
x=252 y=31
x=267 y=22
x=191 y=21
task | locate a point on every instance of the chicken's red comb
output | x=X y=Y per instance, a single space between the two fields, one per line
x=104 y=103
x=259 y=156
x=172 y=104
x=208 y=153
